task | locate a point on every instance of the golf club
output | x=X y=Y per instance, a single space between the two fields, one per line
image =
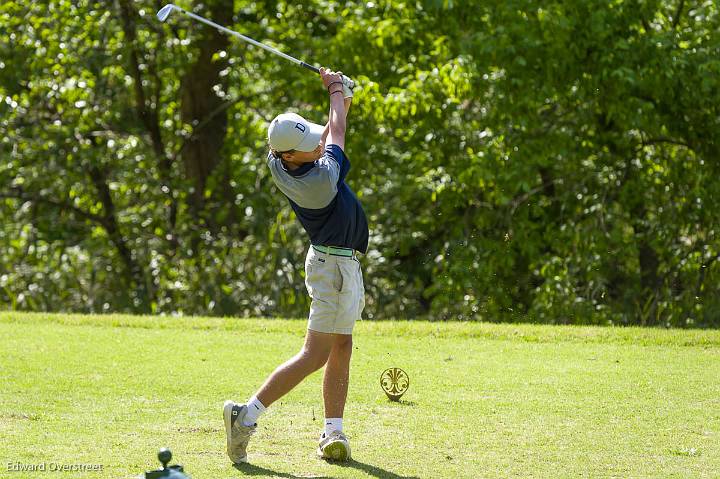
x=165 y=12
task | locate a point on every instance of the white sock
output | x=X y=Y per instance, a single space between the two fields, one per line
x=255 y=410
x=333 y=424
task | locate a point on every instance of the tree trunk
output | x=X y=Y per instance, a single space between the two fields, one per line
x=201 y=106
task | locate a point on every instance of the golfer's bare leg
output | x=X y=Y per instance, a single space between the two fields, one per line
x=311 y=357
x=337 y=376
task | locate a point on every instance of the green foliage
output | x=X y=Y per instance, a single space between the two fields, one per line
x=518 y=160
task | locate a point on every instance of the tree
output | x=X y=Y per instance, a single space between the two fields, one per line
x=517 y=160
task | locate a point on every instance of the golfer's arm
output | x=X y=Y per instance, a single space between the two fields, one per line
x=337 y=123
x=326 y=131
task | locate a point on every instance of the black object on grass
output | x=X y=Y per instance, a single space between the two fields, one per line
x=168 y=472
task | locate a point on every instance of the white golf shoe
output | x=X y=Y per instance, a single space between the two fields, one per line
x=236 y=433
x=335 y=446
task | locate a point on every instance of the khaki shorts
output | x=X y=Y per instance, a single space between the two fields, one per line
x=335 y=285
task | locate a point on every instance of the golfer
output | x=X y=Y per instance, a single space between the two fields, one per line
x=308 y=164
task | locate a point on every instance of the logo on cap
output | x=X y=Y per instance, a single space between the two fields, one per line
x=300 y=127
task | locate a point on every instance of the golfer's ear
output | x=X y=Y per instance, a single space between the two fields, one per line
x=288 y=156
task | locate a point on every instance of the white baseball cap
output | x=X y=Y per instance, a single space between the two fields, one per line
x=290 y=131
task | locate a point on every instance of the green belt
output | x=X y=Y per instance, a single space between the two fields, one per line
x=335 y=251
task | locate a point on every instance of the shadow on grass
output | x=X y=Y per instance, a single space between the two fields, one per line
x=253 y=470
x=370 y=469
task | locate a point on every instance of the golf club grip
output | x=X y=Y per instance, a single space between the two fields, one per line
x=310 y=67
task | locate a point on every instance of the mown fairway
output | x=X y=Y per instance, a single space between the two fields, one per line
x=484 y=400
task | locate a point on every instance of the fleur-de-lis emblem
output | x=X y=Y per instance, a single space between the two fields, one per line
x=394 y=382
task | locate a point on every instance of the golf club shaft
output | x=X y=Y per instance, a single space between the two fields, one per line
x=249 y=40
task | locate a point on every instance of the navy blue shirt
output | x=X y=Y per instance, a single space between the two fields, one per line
x=325 y=205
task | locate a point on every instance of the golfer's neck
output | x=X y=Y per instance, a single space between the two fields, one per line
x=292 y=166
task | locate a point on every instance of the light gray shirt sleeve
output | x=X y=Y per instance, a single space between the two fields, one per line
x=313 y=190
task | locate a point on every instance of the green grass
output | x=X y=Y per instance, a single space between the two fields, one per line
x=484 y=401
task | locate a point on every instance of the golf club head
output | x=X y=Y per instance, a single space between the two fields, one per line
x=165 y=12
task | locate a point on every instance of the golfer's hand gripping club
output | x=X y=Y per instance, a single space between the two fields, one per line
x=348 y=85
x=348 y=82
